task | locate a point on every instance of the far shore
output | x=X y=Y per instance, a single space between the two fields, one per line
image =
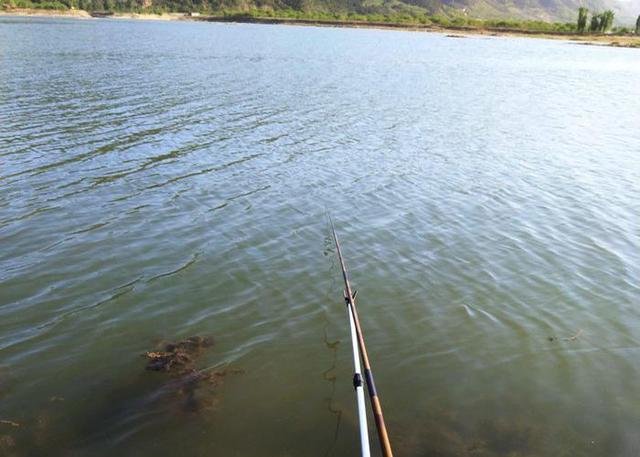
x=613 y=40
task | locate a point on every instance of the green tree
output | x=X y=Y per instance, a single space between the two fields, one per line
x=607 y=20
x=638 y=26
x=595 y=23
x=582 y=19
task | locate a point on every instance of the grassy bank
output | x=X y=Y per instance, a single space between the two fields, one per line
x=459 y=26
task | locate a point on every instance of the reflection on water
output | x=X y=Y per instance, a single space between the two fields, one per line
x=159 y=181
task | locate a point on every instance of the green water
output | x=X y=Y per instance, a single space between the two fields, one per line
x=165 y=180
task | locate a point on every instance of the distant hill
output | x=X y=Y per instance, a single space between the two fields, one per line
x=544 y=10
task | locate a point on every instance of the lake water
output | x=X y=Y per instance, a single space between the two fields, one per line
x=165 y=180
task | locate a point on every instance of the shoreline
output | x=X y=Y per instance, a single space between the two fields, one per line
x=609 y=40
x=450 y=31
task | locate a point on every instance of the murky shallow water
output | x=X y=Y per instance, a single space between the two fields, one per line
x=165 y=180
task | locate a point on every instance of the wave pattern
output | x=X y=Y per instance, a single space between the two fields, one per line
x=164 y=180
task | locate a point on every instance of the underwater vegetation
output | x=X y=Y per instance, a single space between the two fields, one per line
x=193 y=387
x=171 y=387
x=180 y=357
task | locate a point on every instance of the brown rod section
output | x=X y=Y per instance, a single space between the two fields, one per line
x=368 y=375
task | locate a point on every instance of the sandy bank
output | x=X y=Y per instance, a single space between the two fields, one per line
x=80 y=14
x=148 y=17
x=86 y=15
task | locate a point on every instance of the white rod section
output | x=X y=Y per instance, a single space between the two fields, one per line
x=362 y=411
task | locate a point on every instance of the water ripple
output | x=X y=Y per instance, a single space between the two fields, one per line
x=159 y=181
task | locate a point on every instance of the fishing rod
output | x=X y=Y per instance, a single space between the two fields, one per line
x=357 y=384
x=349 y=297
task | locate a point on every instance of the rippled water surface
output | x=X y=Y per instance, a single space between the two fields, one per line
x=165 y=180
